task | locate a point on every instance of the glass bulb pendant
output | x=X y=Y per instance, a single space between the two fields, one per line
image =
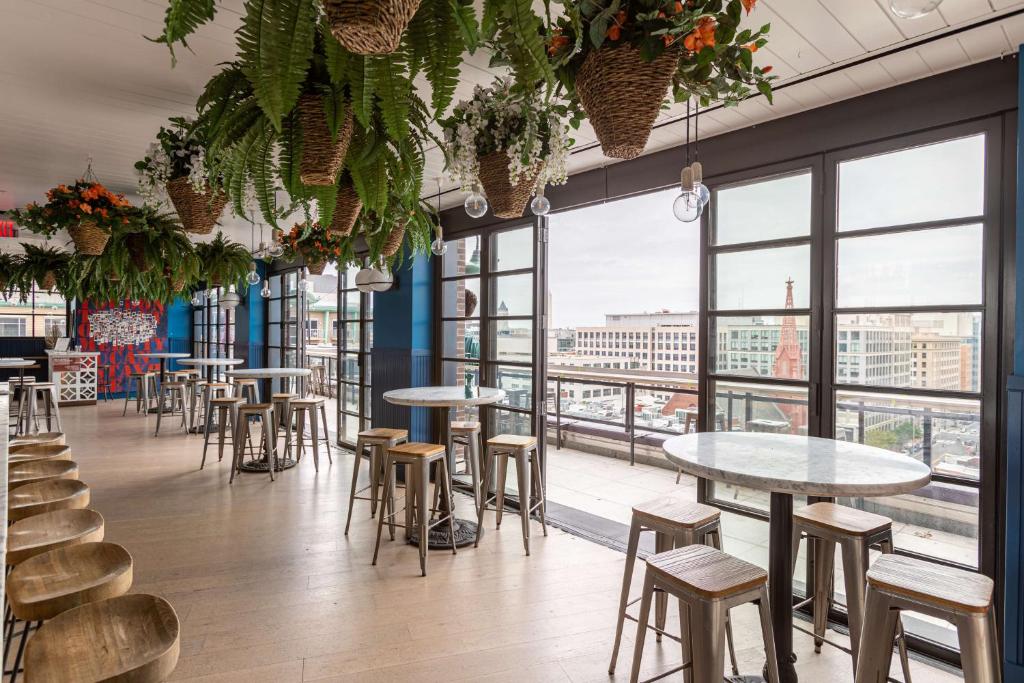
x=703 y=193
x=476 y=203
x=275 y=249
x=253 y=278
x=540 y=204
x=265 y=292
x=439 y=247
x=687 y=207
x=913 y=9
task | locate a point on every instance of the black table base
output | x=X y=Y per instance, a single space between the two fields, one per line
x=780 y=582
x=439 y=538
x=262 y=466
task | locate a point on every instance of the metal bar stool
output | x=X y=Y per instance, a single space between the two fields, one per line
x=144 y=386
x=676 y=523
x=825 y=525
x=963 y=598
x=175 y=391
x=104 y=377
x=531 y=489
x=379 y=440
x=468 y=435
x=31 y=395
x=300 y=408
x=248 y=389
x=19 y=392
x=417 y=457
x=264 y=412
x=47 y=585
x=211 y=390
x=282 y=410
x=194 y=386
x=227 y=414
x=707 y=583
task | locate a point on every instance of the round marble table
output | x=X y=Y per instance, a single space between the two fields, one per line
x=446 y=399
x=210 y=364
x=786 y=465
x=260 y=464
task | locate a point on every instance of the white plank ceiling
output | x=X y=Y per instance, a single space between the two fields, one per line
x=78 y=79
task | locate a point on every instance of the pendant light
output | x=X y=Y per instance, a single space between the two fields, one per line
x=438 y=247
x=476 y=202
x=252 y=277
x=540 y=204
x=229 y=299
x=913 y=9
x=688 y=206
x=374 y=279
x=265 y=291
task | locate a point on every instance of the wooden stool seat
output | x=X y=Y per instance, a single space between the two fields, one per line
x=45 y=532
x=842 y=519
x=226 y=400
x=55 y=438
x=383 y=433
x=512 y=441
x=245 y=381
x=676 y=512
x=464 y=427
x=311 y=412
x=176 y=384
x=253 y=408
x=131 y=638
x=706 y=571
x=417 y=450
x=932 y=583
x=283 y=396
x=34 y=471
x=43 y=586
x=46 y=496
x=217 y=385
x=34 y=452
x=309 y=401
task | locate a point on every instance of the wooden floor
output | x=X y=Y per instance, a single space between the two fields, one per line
x=268 y=588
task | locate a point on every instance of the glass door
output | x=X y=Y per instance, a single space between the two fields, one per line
x=355 y=342
x=285 y=316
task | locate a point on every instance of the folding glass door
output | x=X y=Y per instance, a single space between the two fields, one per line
x=355 y=342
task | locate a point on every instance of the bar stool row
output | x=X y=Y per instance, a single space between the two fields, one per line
x=386 y=449
x=689 y=565
x=68 y=588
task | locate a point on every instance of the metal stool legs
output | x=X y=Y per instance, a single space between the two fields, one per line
x=530 y=484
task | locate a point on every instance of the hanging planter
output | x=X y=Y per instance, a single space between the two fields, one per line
x=346 y=210
x=136 y=245
x=370 y=27
x=394 y=240
x=470 y=301
x=322 y=152
x=507 y=199
x=314 y=245
x=89 y=238
x=622 y=95
x=316 y=267
x=48 y=282
x=198 y=210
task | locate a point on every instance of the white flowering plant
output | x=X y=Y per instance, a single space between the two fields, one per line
x=179 y=152
x=532 y=131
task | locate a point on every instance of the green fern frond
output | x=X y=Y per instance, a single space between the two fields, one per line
x=326 y=199
x=289 y=155
x=181 y=20
x=339 y=60
x=260 y=166
x=394 y=90
x=444 y=52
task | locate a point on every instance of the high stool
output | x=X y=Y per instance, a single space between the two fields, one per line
x=379 y=441
x=417 y=458
x=248 y=388
x=181 y=375
x=36 y=439
x=44 y=586
x=46 y=496
x=265 y=413
x=825 y=525
x=467 y=434
x=34 y=452
x=282 y=409
x=531 y=490
x=211 y=390
x=175 y=392
x=41 y=533
x=963 y=598
x=227 y=414
x=144 y=386
x=131 y=637
x=194 y=386
x=707 y=583
x=676 y=523
x=104 y=375
x=31 y=472
x=18 y=387
x=31 y=394
x=300 y=408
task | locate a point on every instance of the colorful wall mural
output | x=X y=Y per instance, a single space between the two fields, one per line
x=123 y=360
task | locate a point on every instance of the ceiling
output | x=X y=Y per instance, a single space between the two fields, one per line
x=79 y=80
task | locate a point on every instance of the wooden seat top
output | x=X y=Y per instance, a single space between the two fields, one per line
x=24 y=473
x=217 y=385
x=174 y=385
x=465 y=427
x=128 y=638
x=706 y=571
x=42 y=437
x=39 y=450
x=43 y=586
x=245 y=380
x=512 y=441
x=255 y=407
x=384 y=433
x=283 y=397
x=40 y=533
x=931 y=583
x=309 y=401
x=841 y=519
x=46 y=496
x=227 y=400
x=676 y=511
x=418 y=450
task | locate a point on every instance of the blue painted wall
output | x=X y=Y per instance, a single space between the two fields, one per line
x=179 y=329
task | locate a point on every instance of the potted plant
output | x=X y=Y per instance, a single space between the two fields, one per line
x=370 y=27
x=619 y=57
x=159 y=245
x=512 y=143
x=47 y=267
x=316 y=245
x=86 y=209
x=8 y=273
x=223 y=262
x=176 y=165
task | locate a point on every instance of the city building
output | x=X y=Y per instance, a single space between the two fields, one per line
x=938 y=362
x=663 y=341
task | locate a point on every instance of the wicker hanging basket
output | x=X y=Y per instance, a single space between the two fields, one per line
x=316 y=267
x=370 y=27
x=506 y=200
x=48 y=282
x=89 y=238
x=471 y=301
x=136 y=245
x=178 y=284
x=322 y=154
x=622 y=95
x=394 y=241
x=198 y=211
x=346 y=210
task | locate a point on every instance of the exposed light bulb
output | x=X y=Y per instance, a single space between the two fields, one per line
x=439 y=247
x=275 y=249
x=476 y=203
x=703 y=193
x=687 y=207
x=913 y=9
x=252 y=277
x=265 y=292
x=540 y=204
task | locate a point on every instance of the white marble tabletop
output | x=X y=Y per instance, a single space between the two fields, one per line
x=211 y=361
x=800 y=465
x=16 y=363
x=269 y=373
x=443 y=397
x=162 y=354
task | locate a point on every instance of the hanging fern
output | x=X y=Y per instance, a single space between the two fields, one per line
x=181 y=19
x=394 y=89
x=514 y=33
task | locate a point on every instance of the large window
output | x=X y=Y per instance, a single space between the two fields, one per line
x=41 y=314
x=355 y=310
x=284 y=313
x=213 y=328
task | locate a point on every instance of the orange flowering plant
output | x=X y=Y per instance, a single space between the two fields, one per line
x=68 y=205
x=315 y=244
x=715 y=56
